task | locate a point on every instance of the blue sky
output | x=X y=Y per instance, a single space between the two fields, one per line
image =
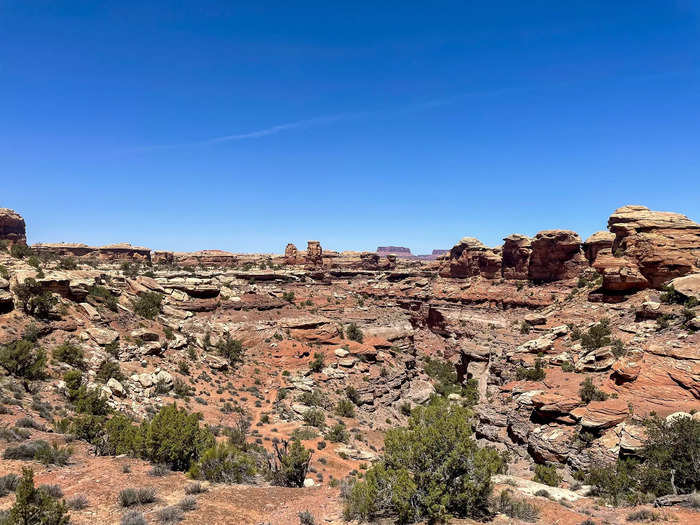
x=247 y=125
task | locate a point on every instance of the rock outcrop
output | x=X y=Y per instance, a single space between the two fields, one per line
x=659 y=245
x=12 y=227
x=469 y=257
x=291 y=254
x=595 y=243
x=314 y=253
x=556 y=255
x=516 y=256
x=396 y=250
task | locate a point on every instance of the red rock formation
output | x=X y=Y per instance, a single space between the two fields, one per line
x=206 y=258
x=314 y=253
x=597 y=242
x=516 y=256
x=469 y=257
x=556 y=255
x=369 y=261
x=124 y=251
x=620 y=274
x=162 y=257
x=291 y=254
x=660 y=245
x=396 y=250
x=12 y=227
x=63 y=249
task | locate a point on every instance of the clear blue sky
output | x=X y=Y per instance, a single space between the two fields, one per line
x=247 y=125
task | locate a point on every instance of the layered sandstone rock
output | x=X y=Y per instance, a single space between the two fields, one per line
x=469 y=257
x=396 y=250
x=661 y=245
x=597 y=242
x=314 y=253
x=12 y=227
x=162 y=257
x=291 y=254
x=516 y=256
x=556 y=255
x=206 y=258
x=369 y=261
x=620 y=274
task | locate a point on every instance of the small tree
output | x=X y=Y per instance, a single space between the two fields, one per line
x=70 y=354
x=589 y=392
x=290 y=463
x=231 y=349
x=22 y=358
x=318 y=362
x=33 y=299
x=35 y=506
x=354 y=333
x=148 y=305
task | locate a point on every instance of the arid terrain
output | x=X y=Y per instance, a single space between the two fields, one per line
x=312 y=342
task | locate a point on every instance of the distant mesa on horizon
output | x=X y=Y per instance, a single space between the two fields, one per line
x=403 y=252
x=396 y=250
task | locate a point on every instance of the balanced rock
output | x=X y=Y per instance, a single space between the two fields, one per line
x=556 y=255
x=595 y=243
x=516 y=256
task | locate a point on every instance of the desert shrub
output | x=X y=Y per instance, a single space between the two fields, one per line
x=4 y=272
x=121 y=436
x=33 y=299
x=645 y=515
x=224 y=463
x=175 y=438
x=354 y=333
x=431 y=469
x=70 y=354
x=318 y=362
x=315 y=417
x=353 y=394
x=67 y=263
x=289 y=464
x=172 y=514
x=231 y=349
x=615 y=483
x=24 y=359
x=182 y=389
x=597 y=335
x=338 y=434
x=35 y=506
x=78 y=502
x=20 y=251
x=103 y=295
x=288 y=296
x=54 y=491
x=133 y=517
x=109 y=369
x=158 y=471
x=187 y=503
x=195 y=488
x=136 y=496
x=547 y=475
x=8 y=483
x=672 y=296
x=524 y=328
x=589 y=392
x=304 y=433
x=85 y=400
x=345 y=408
x=39 y=450
x=28 y=422
x=315 y=398
x=148 y=305
x=537 y=373
x=516 y=508
x=306 y=518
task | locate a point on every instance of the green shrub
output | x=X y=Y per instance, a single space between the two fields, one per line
x=615 y=483
x=589 y=392
x=175 y=438
x=645 y=515
x=597 y=335
x=70 y=354
x=315 y=398
x=345 y=408
x=524 y=328
x=224 y=463
x=33 y=299
x=537 y=373
x=109 y=369
x=430 y=470
x=67 y=263
x=103 y=295
x=338 y=434
x=22 y=358
x=315 y=417
x=141 y=496
x=354 y=333
x=34 y=506
x=547 y=475
x=148 y=305
x=8 y=483
x=20 y=251
x=231 y=349
x=290 y=464
x=86 y=400
x=318 y=362
x=288 y=296
x=516 y=508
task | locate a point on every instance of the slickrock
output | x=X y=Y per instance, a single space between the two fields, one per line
x=601 y=240
x=598 y=415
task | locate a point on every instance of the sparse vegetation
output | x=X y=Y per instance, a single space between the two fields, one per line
x=547 y=475
x=22 y=358
x=589 y=392
x=536 y=373
x=354 y=333
x=35 y=506
x=70 y=354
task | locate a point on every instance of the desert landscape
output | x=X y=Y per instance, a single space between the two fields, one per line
x=551 y=379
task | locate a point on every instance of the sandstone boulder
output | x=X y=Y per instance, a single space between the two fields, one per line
x=602 y=414
x=516 y=256
x=596 y=361
x=620 y=274
x=556 y=255
x=663 y=245
x=688 y=285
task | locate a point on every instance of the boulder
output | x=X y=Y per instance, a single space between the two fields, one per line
x=12 y=227
x=620 y=274
x=516 y=256
x=103 y=336
x=598 y=415
x=596 y=361
x=556 y=255
x=369 y=261
x=627 y=368
x=535 y=319
x=116 y=387
x=688 y=285
x=551 y=403
x=663 y=245
x=597 y=242
x=419 y=391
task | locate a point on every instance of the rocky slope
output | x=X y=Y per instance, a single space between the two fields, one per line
x=494 y=314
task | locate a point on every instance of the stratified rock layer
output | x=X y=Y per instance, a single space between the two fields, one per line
x=12 y=227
